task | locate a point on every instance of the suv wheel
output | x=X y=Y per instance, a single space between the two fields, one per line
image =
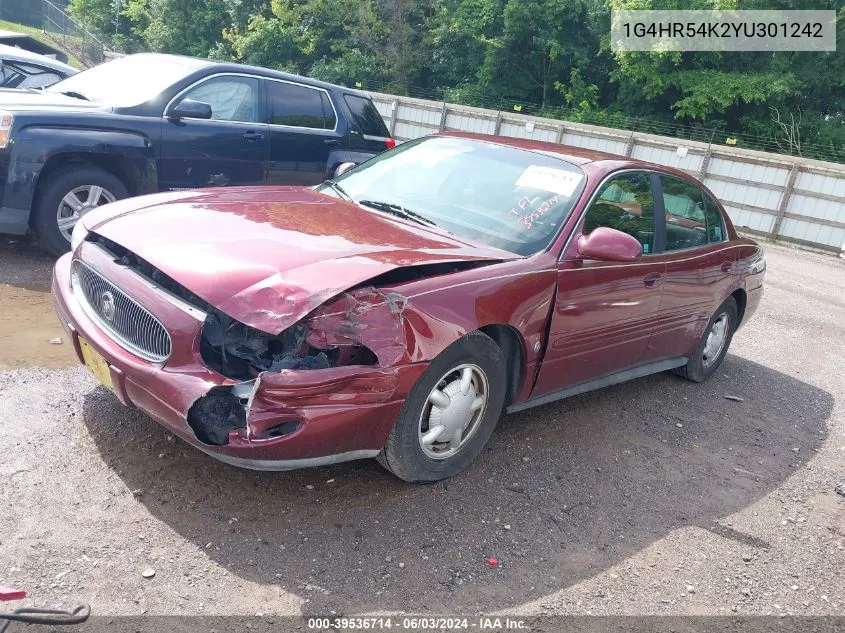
x=66 y=196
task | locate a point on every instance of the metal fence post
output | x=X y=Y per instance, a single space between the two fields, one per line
x=498 y=125
x=784 y=201
x=705 y=161
x=629 y=146
x=394 y=108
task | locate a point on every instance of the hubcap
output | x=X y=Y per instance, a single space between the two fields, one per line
x=716 y=338
x=77 y=203
x=453 y=411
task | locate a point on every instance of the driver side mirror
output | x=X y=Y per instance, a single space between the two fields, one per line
x=609 y=245
x=190 y=109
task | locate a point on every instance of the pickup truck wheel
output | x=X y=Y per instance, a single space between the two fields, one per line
x=450 y=413
x=66 y=196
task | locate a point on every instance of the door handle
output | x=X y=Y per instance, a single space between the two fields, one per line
x=251 y=136
x=726 y=267
x=652 y=280
x=332 y=142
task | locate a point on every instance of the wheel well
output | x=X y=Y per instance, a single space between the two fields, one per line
x=123 y=169
x=741 y=299
x=510 y=342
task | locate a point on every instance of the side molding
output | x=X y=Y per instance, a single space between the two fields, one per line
x=599 y=383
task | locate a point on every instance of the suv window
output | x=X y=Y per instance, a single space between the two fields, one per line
x=686 y=225
x=299 y=106
x=715 y=225
x=20 y=75
x=366 y=116
x=625 y=203
x=231 y=98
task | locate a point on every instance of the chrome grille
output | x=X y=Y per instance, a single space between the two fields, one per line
x=129 y=324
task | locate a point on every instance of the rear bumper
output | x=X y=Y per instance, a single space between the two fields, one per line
x=342 y=413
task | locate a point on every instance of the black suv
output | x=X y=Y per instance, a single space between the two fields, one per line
x=147 y=122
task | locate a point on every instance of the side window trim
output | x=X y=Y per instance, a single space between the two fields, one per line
x=202 y=80
x=300 y=127
x=659 y=213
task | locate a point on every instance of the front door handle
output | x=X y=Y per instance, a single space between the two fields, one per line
x=252 y=136
x=332 y=142
x=726 y=267
x=652 y=280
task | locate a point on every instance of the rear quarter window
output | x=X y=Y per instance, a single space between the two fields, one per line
x=366 y=116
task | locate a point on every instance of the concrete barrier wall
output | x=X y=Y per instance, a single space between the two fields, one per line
x=778 y=197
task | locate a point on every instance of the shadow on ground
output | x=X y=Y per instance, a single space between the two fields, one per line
x=24 y=264
x=583 y=484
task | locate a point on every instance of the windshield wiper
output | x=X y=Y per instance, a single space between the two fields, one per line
x=336 y=187
x=75 y=95
x=398 y=210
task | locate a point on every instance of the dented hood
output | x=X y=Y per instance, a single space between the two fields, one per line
x=267 y=256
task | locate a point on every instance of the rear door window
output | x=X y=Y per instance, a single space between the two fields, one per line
x=686 y=223
x=299 y=106
x=366 y=116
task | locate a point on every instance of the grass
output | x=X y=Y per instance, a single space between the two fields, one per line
x=38 y=35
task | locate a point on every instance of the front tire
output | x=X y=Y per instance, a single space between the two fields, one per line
x=450 y=413
x=66 y=196
x=713 y=346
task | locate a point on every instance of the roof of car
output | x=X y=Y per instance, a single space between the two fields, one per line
x=196 y=63
x=22 y=40
x=13 y=53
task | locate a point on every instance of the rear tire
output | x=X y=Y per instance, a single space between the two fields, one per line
x=469 y=379
x=713 y=346
x=64 y=198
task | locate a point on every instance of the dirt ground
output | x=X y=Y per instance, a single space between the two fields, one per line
x=25 y=300
x=654 y=497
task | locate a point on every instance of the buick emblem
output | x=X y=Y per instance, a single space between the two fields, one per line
x=107 y=303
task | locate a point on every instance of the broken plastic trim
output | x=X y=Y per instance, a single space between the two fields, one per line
x=213 y=416
x=225 y=409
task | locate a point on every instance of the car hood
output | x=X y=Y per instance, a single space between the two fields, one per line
x=30 y=99
x=269 y=256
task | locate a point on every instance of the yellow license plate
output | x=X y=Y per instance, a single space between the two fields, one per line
x=96 y=363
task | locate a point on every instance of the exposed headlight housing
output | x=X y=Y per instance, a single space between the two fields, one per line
x=78 y=235
x=6 y=120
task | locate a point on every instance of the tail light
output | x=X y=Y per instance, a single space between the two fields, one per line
x=389 y=143
x=6 y=119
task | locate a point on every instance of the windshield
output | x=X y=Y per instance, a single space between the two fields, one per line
x=127 y=81
x=506 y=197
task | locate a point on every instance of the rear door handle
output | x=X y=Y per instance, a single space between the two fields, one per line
x=726 y=267
x=251 y=136
x=652 y=280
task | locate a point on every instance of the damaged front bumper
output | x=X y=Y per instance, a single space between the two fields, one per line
x=290 y=419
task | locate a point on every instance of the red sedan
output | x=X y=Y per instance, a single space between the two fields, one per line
x=398 y=311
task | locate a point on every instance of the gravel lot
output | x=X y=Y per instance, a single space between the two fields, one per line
x=654 y=497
